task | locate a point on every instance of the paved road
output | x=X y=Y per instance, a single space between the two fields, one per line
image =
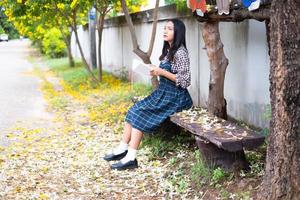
x=20 y=98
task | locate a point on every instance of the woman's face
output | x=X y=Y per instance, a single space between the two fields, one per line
x=169 y=32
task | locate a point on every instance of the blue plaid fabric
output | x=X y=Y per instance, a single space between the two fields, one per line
x=147 y=114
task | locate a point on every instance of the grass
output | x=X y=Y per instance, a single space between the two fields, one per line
x=178 y=151
x=218 y=175
x=160 y=145
x=257 y=161
x=201 y=174
x=79 y=79
x=204 y=175
x=73 y=76
x=108 y=102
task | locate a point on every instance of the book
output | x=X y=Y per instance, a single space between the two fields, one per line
x=141 y=68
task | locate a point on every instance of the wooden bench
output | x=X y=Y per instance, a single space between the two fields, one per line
x=221 y=142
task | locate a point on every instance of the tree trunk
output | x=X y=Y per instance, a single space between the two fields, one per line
x=267 y=24
x=70 y=56
x=67 y=40
x=100 y=31
x=282 y=176
x=145 y=56
x=218 y=64
x=86 y=65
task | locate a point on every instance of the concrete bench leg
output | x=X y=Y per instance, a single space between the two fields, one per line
x=217 y=157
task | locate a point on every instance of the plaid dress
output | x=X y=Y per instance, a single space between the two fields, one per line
x=147 y=114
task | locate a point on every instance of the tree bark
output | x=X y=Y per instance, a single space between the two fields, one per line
x=69 y=51
x=236 y=16
x=267 y=24
x=218 y=64
x=100 y=32
x=67 y=40
x=237 y=13
x=282 y=176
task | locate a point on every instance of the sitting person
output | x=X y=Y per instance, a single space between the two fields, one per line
x=169 y=97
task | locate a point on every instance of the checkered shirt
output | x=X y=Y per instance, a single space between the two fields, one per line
x=181 y=67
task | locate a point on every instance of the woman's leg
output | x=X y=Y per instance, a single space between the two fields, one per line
x=123 y=145
x=136 y=137
x=127 y=133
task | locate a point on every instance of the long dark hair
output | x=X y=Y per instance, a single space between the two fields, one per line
x=179 y=39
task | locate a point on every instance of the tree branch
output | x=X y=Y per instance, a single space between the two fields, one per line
x=154 y=27
x=143 y=55
x=130 y=26
x=237 y=15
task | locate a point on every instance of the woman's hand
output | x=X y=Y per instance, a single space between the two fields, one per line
x=156 y=71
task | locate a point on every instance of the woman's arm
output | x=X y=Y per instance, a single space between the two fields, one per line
x=157 y=71
x=180 y=67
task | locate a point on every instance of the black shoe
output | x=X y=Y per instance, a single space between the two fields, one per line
x=111 y=157
x=122 y=166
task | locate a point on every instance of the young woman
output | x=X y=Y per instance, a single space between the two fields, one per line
x=171 y=96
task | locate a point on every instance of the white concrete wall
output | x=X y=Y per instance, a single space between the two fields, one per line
x=247 y=76
x=84 y=42
x=245 y=45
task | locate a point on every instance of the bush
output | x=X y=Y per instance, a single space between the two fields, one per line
x=1 y=30
x=53 y=44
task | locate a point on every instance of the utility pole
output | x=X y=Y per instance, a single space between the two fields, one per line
x=92 y=36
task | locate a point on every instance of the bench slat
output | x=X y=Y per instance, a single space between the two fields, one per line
x=222 y=133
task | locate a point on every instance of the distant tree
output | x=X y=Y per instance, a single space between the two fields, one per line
x=35 y=17
x=106 y=8
x=6 y=26
x=180 y=4
x=74 y=13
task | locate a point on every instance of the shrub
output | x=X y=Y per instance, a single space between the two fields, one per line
x=53 y=44
x=1 y=30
